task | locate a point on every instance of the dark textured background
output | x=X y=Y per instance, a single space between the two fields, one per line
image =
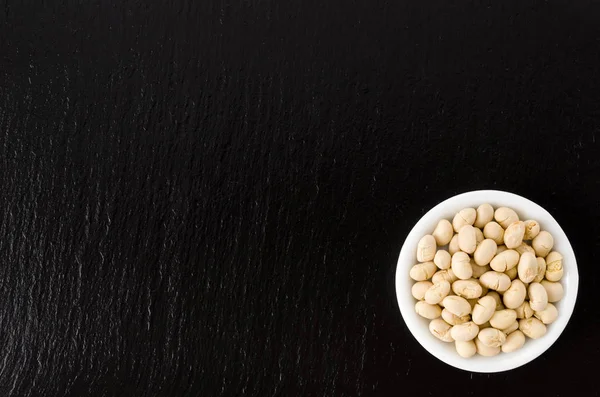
x=208 y=198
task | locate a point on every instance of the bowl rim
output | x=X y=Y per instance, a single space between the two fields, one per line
x=415 y=323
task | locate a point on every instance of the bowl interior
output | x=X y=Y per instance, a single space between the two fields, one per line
x=418 y=325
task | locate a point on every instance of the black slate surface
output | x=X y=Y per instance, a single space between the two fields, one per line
x=208 y=198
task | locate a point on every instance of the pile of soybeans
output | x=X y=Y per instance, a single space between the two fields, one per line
x=487 y=281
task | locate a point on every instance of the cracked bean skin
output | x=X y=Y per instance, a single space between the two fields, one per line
x=513 y=342
x=554 y=266
x=527 y=267
x=515 y=295
x=467 y=239
x=484 y=350
x=464 y=332
x=495 y=281
x=441 y=330
x=554 y=291
x=538 y=297
x=511 y=328
x=466 y=349
x=456 y=305
x=513 y=235
x=524 y=311
x=532 y=229
x=437 y=292
x=491 y=337
x=428 y=311
x=442 y=259
x=543 y=243
x=453 y=319
x=468 y=289
x=423 y=271
x=484 y=310
x=497 y=299
x=505 y=216
x=548 y=315
x=443 y=232
x=512 y=273
x=426 y=248
x=532 y=327
x=466 y=216
x=419 y=288
x=447 y=275
x=461 y=266
x=505 y=260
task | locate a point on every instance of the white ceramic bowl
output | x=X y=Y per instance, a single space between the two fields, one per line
x=418 y=325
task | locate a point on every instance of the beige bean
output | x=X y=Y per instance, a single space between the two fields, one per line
x=461 y=266
x=478 y=235
x=505 y=260
x=466 y=349
x=457 y=305
x=554 y=291
x=453 y=245
x=527 y=267
x=447 y=275
x=513 y=235
x=538 y=297
x=541 y=273
x=497 y=299
x=484 y=215
x=426 y=248
x=437 y=292
x=532 y=327
x=441 y=330
x=511 y=328
x=495 y=281
x=485 y=251
x=512 y=273
x=513 y=342
x=515 y=295
x=423 y=271
x=484 y=350
x=484 y=310
x=543 y=244
x=467 y=239
x=464 y=217
x=523 y=248
x=453 y=319
x=464 y=332
x=443 y=232
x=548 y=315
x=442 y=259
x=419 y=288
x=501 y=248
x=524 y=311
x=505 y=216
x=532 y=229
x=428 y=311
x=494 y=232
x=468 y=289
x=554 y=266
x=503 y=318
x=491 y=337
